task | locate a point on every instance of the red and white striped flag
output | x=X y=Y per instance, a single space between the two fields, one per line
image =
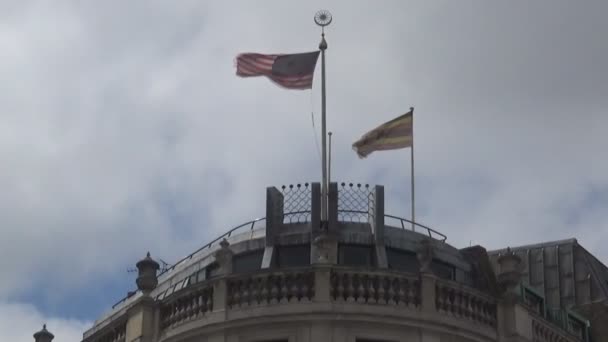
x=293 y=71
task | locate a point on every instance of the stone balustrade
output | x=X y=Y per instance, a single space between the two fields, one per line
x=375 y=288
x=222 y=298
x=116 y=333
x=543 y=331
x=459 y=301
x=270 y=288
x=189 y=305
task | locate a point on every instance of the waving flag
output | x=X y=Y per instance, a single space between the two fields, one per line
x=391 y=135
x=293 y=71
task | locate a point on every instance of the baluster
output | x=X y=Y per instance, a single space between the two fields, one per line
x=245 y=299
x=402 y=299
x=236 y=293
x=439 y=305
x=334 y=281
x=196 y=304
x=264 y=293
x=178 y=311
x=350 y=289
x=468 y=312
x=209 y=300
x=341 y=281
x=255 y=291
x=182 y=309
x=304 y=295
x=479 y=310
x=372 y=296
x=359 y=290
x=171 y=314
x=188 y=311
x=204 y=305
x=274 y=290
x=392 y=300
x=284 y=290
x=381 y=291
x=295 y=293
x=366 y=282
x=411 y=294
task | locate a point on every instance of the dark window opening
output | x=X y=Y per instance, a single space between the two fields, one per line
x=292 y=256
x=355 y=255
x=442 y=269
x=247 y=262
x=401 y=260
x=211 y=271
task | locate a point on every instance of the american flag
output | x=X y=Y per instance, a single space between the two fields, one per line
x=292 y=71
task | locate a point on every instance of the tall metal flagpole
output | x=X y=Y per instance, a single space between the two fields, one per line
x=323 y=18
x=412 y=172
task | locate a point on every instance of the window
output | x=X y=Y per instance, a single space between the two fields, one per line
x=442 y=269
x=247 y=262
x=211 y=271
x=355 y=255
x=293 y=256
x=401 y=260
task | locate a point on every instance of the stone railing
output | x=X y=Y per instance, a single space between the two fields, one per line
x=190 y=305
x=375 y=288
x=543 y=331
x=459 y=301
x=385 y=292
x=115 y=333
x=270 y=288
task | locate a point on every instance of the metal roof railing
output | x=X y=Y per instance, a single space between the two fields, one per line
x=430 y=231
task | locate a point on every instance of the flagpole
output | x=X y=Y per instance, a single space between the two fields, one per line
x=323 y=18
x=412 y=173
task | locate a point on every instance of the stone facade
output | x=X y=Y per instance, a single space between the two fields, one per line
x=363 y=279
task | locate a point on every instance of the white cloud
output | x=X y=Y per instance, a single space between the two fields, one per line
x=19 y=322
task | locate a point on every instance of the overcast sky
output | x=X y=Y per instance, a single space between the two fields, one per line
x=123 y=129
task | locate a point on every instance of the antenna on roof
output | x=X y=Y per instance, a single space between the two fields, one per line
x=165 y=266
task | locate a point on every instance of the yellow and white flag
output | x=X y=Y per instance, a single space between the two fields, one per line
x=395 y=134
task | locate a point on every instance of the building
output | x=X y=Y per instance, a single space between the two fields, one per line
x=363 y=276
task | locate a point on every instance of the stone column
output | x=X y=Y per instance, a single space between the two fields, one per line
x=223 y=258
x=141 y=320
x=142 y=314
x=43 y=335
x=376 y=221
x=428 y=280
x=322 y=283
x=513 y=321
x=274 y=214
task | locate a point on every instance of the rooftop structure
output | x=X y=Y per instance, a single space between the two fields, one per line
x=363 y=275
